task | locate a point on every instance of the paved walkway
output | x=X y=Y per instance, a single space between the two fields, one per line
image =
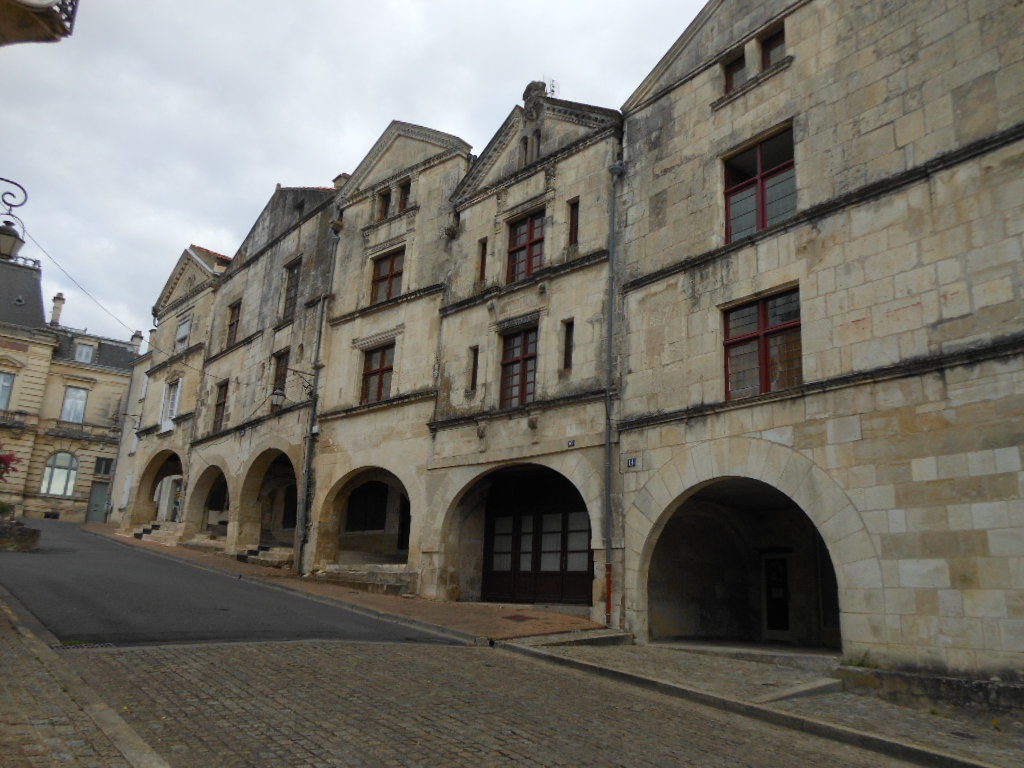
x=49 y=717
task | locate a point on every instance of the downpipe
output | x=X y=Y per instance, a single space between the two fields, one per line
x=616 y=171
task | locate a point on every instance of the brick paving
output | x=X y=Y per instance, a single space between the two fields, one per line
x=969 y=735
x=320 y=704
x=41 y=725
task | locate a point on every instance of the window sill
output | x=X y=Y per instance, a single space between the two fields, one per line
x=393 y=217
x=751 y=84
x=284 y=323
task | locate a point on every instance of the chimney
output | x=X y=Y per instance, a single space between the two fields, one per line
x=58 y=305
x=137 y=341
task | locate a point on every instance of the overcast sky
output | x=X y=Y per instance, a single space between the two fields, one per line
x=161 y=123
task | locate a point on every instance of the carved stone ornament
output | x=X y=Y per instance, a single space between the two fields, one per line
x=532 y=96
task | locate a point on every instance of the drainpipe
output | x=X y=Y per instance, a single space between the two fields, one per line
x=303 y=516
x=616 y=172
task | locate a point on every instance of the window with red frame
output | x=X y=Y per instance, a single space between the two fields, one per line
x=518 y=368
x=219 y=406
x=378 y=365
x=762 y=346
x=760 y=187
x=526 y=247
x=234 y=313
x=387 y=277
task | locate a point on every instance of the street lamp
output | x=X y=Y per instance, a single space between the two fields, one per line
x=10 y=239
x=276 y=398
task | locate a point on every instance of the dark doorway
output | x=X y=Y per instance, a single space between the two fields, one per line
x=537 y=540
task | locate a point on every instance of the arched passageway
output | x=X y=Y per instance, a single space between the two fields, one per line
x=525 y=538
x=159 y=493
x=372 y=519
x=740 y=561
x=266 y=511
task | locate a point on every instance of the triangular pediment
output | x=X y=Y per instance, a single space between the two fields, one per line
x=401 y=146
x=558 y=123
x=194 y=267
x=285 y=208
x=720 y=26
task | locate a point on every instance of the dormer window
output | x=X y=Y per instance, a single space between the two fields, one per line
x=84 y=353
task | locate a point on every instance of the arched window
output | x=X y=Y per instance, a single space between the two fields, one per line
x=60 y=474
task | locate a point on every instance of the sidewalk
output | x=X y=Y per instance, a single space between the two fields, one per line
x=49 y=717
x=789 y=697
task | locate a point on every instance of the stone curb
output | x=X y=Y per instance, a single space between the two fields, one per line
x=881 y=744
x=132 y=747
x=456 y=635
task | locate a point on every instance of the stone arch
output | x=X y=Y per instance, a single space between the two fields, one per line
x=694 y=467
x=446 y=573
x=335 y=542
x=245 y=521
x=163 y=464
x=196 y=512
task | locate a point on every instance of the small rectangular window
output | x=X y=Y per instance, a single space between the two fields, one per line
x=84 y=353
x=404 y=191
x=219 y=406
x=280 y=383
x=169 y=409
x=73 y=409
x=773 y=49
x=6 y=388
x=481 y=272
x=474 y=366
x=378 y=366
x=568 y=329
x=291 y=291
x=762 y=346
x=234 y=314
x=103 y=466
x=383 y=204
x=181 y=337
x=574 y=222
x=735 y=73
x=387 y=277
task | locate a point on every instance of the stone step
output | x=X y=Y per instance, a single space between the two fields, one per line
x=378 y=579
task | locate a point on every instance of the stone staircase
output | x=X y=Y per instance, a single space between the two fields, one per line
x=380 y=578
x=205 y=542
x=168 y=534
x=274 y=556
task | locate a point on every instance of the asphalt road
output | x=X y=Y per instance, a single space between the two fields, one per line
x=87 y=589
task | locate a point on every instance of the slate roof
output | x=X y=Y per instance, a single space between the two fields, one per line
x=109 y=353
x=21 y=295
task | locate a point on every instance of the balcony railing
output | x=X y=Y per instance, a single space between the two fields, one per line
x=12 y=419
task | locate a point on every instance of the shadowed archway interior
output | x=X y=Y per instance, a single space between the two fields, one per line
x=740 y=561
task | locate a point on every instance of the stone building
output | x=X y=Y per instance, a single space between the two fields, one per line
x=739 y=361
x=62 y=397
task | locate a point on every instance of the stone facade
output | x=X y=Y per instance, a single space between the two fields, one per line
x=804 y=425
x=63 y=395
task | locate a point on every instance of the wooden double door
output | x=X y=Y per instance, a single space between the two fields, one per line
x=537 y=543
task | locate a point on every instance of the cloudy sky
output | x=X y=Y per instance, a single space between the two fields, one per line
x=161 y=123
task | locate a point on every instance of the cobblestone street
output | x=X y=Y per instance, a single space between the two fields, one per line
x=327 y=703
